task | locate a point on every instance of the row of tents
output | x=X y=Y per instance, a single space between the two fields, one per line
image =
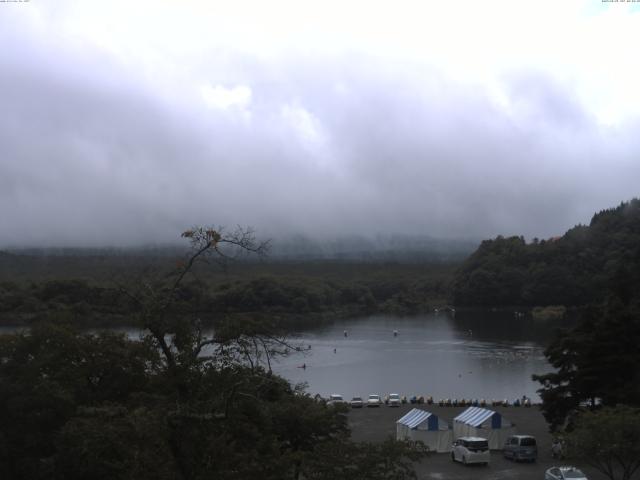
x=438 y=435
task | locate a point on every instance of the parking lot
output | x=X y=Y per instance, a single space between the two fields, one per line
x=375 y=424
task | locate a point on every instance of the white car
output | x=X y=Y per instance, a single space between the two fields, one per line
x=471 y=450
x=356 y=402
x=374 y=400
x=394 y=400
x=562 y=473
x=334 y=399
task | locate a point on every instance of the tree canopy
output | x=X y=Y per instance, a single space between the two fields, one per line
x=608 y=440
x=596 y=362
x=578 y=268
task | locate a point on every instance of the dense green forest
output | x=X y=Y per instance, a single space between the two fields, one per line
x=88 y=289
x=579 y=268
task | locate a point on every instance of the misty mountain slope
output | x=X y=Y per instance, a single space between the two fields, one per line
x=581 y=267
x=379 y=248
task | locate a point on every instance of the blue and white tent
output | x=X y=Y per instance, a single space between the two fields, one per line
x=426 y=427
x=481 y=422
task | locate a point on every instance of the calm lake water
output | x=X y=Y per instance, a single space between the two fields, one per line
x=467 y=356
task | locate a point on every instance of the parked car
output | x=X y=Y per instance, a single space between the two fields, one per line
x=471 y=450
x=335 y=398
x=521 y=447
x=356 y=402
x=562 y=473
x=374 y=400
x=394 y=400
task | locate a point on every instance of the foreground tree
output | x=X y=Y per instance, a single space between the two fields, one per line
x=596 y=363
x=54 y=376
x=608 y=440
x=180 y=403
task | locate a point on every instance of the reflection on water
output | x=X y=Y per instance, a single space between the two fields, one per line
x=438 y=355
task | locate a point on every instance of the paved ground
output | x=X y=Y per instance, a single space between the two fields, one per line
x=375 y=424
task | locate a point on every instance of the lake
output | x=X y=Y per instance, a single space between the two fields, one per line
x=474 y=354
x=487 y=355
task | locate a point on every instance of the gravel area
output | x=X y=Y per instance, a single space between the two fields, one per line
x=375 y=424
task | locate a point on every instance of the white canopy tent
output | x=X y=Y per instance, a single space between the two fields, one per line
x=480 y=422
x=426 y=427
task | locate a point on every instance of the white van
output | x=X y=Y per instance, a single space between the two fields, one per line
x=471 y=450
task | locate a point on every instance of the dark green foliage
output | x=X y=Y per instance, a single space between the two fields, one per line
x=596 y=362
x=46 y=375
x=300 y=294
x=99 y=406
x=608 y=440
x=113 y=442
x=578 y=268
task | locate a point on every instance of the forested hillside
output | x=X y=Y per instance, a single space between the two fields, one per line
x=579 y=268
x=87 y=289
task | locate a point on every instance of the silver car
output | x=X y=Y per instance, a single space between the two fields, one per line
x=521 y=447
x=562 y=473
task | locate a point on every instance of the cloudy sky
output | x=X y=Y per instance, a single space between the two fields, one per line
x=123 y=122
